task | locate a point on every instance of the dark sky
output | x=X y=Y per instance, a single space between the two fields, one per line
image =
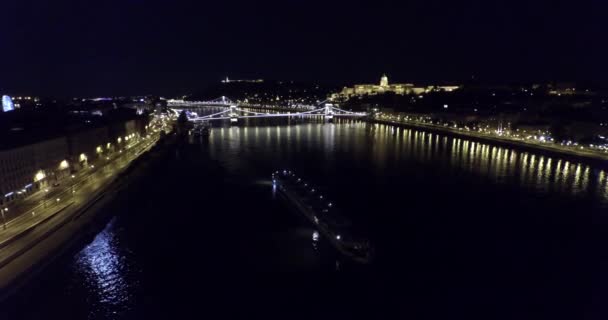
x=108 y=47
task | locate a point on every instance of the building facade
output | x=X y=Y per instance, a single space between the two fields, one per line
x=385 y=87
x=25 y=169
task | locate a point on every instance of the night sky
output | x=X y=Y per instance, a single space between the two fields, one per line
x=115 y=47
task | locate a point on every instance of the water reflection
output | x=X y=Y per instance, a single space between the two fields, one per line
x=104 y=270
x=386 y=145
x=368 y=164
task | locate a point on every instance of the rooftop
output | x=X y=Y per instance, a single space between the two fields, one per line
x=20 y=128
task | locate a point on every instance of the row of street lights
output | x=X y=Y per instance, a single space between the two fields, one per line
x=542 y=137
x=41 y=175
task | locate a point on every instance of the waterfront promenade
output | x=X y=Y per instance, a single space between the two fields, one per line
x=37 y=227
x=578 y=152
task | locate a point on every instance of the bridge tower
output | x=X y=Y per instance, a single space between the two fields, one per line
x=233 y=115
x=329 y=112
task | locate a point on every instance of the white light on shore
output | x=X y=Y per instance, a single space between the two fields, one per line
x=39 y=176
x=64 y=164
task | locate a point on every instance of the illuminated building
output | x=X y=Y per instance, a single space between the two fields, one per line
x=26 y=168
x=7 y=104
x=39 y=162
x=384 y=81
x=385 y=87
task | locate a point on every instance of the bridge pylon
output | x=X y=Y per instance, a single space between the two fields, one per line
x=234 y=116
x=328 y=112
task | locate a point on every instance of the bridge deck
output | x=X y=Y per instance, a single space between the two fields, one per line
x=231 y=113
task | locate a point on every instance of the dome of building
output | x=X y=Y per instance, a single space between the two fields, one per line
x=384 y=81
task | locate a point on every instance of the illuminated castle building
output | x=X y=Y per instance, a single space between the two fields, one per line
x=384 y=87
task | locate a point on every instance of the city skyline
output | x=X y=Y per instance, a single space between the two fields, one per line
x=416 y=159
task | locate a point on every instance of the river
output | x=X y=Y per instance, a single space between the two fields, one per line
x=461 y=229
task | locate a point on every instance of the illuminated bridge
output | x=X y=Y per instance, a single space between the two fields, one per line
x=233 y=112
x=222 y=101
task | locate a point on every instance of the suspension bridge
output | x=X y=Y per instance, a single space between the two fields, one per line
x=222 y=101
x=233 y=112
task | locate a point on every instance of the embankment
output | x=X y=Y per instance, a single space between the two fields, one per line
x=41 y=244
x=588 y=157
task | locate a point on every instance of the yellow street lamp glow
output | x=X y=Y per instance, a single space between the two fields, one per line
x=64 y=164
x=99 y=149
x=119 y=140
x=39 y=176
x=83 y=157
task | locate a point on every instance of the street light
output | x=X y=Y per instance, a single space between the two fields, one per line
x=3 y=217
x=64 y=164
x=73 y=191
x=46 y=196
x=39 y=176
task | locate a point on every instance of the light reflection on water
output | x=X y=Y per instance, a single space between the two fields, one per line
x=505 y=165
x=104 y=270
x=387 y=144
x=395 y=157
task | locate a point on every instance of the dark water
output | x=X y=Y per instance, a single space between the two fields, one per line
x=462 y=230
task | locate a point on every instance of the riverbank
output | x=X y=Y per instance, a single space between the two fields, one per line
x=450 y=227
x=545 y=149
x=38 y=245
